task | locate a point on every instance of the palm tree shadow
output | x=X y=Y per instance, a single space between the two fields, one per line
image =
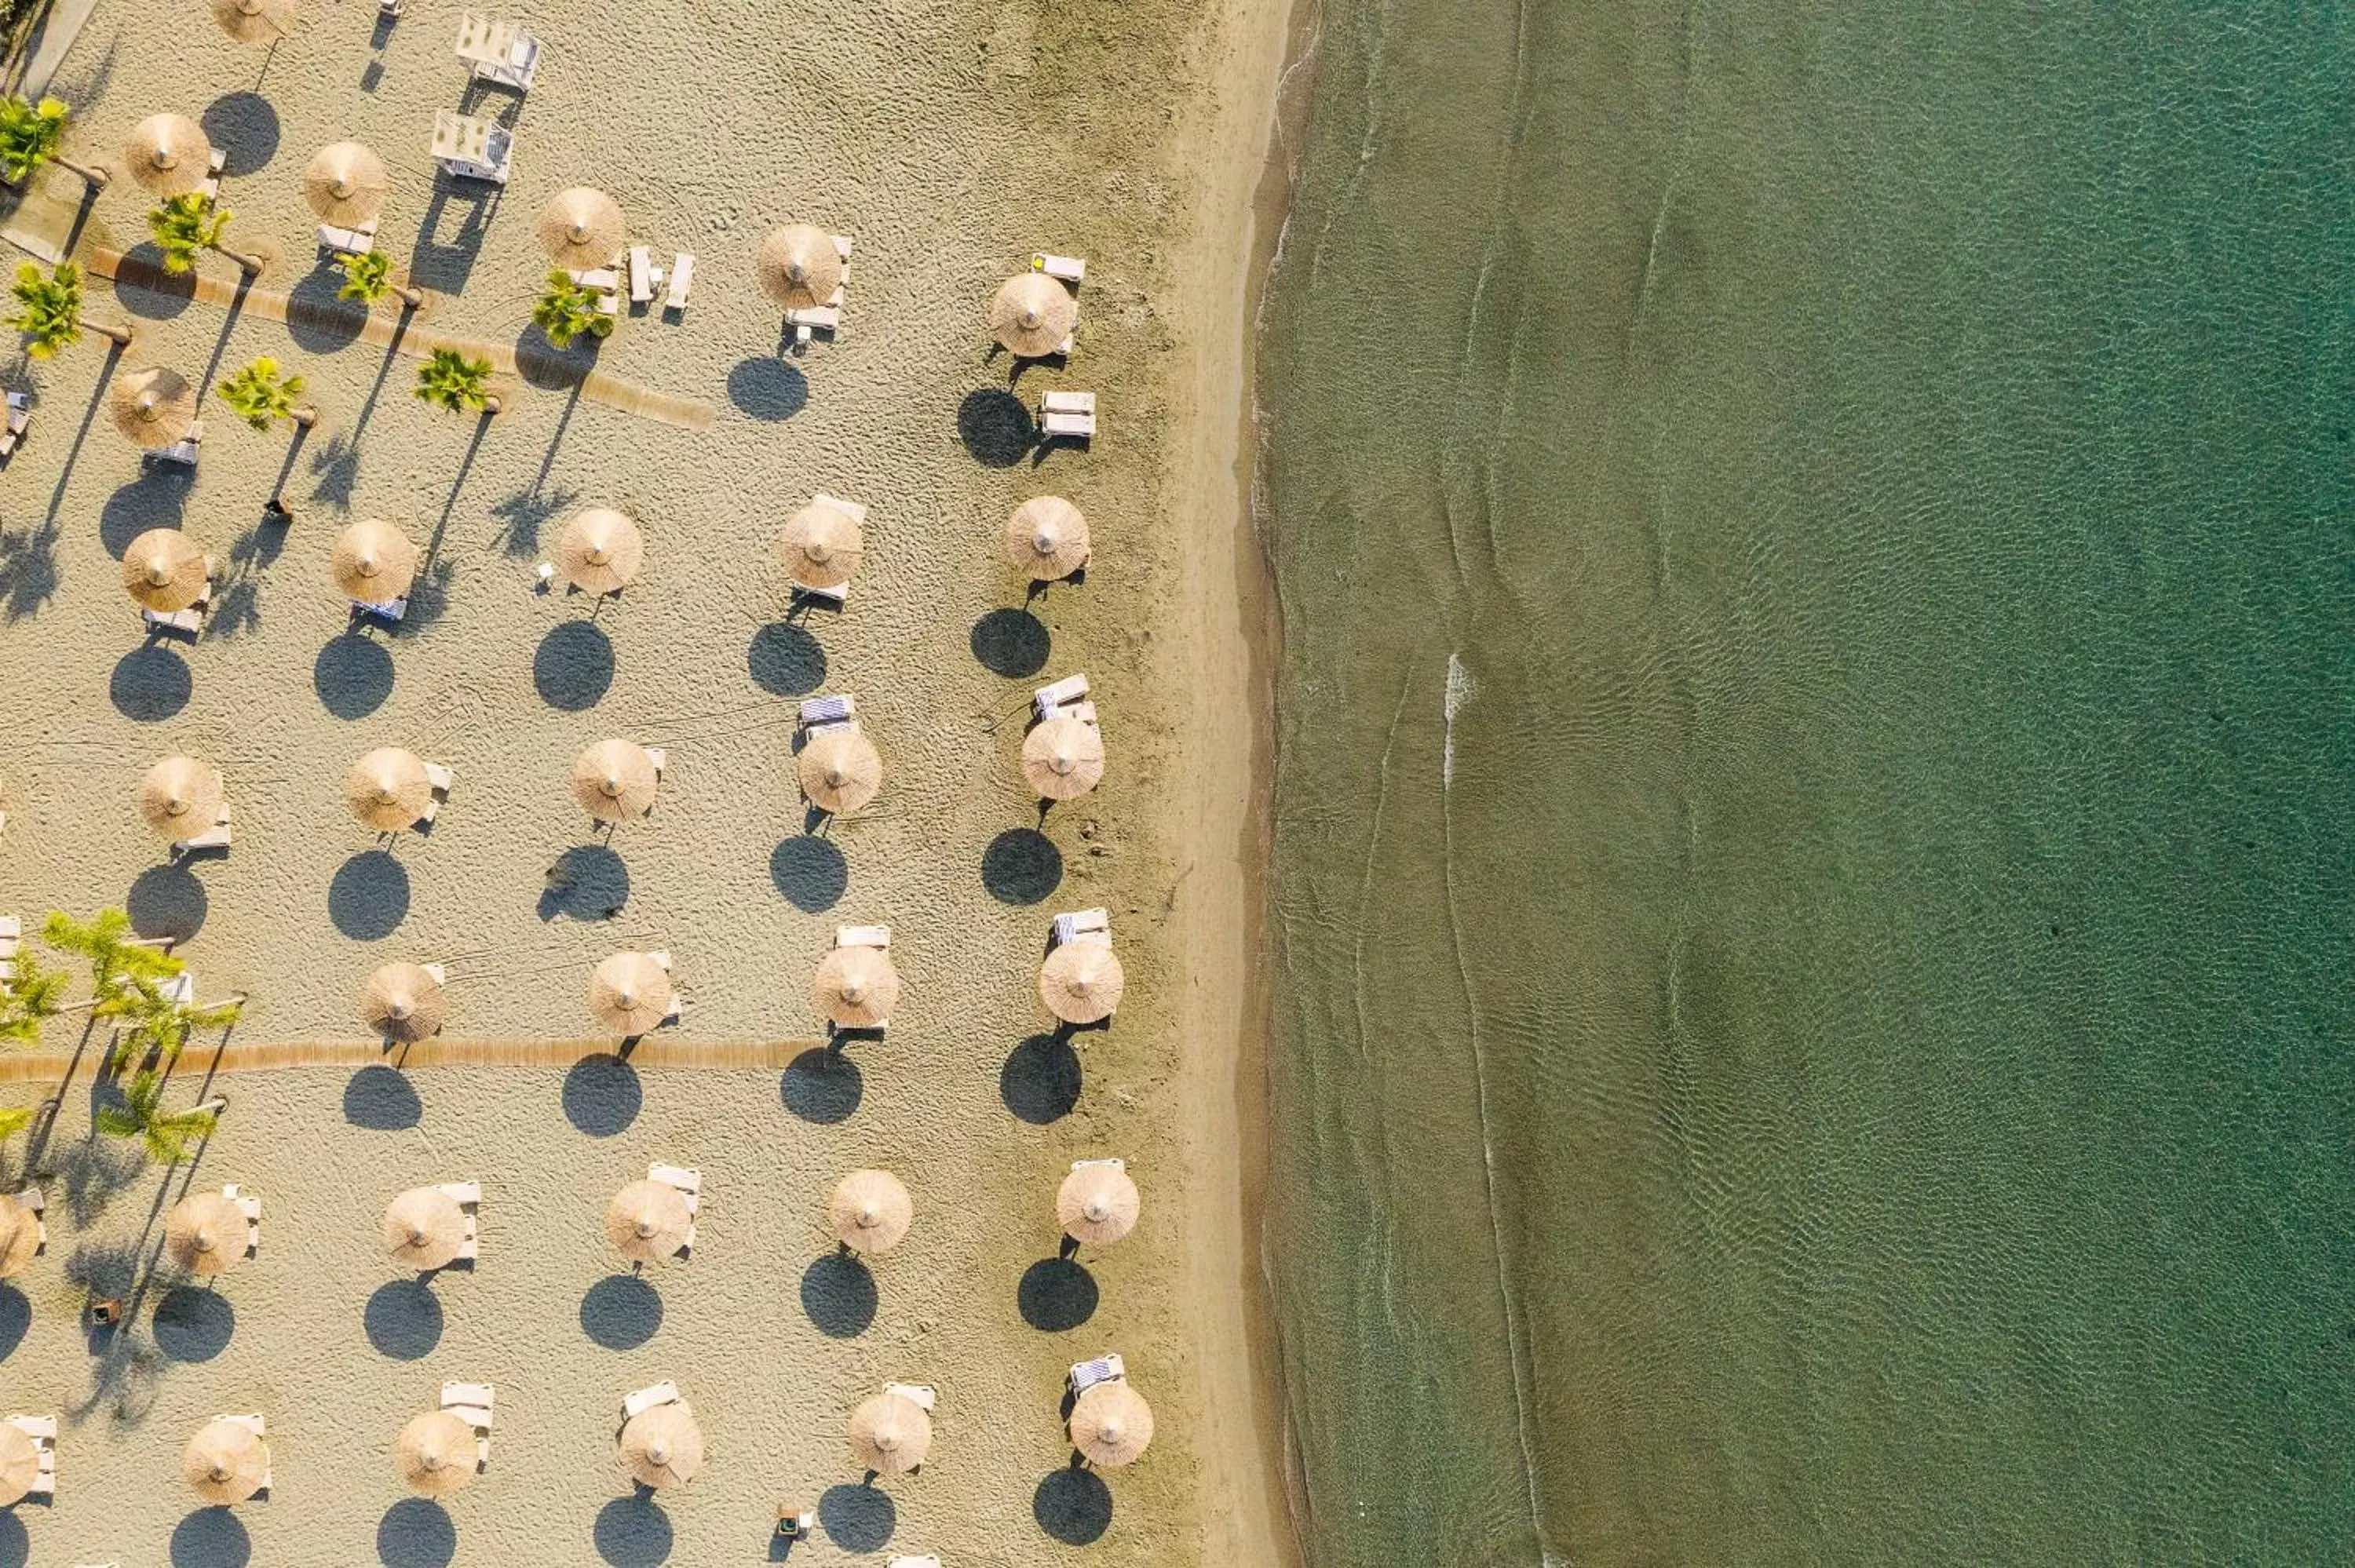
x=228 y=327
x=338 y=463
x=89 y=417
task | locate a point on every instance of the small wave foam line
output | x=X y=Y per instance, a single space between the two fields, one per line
x=47 y=1066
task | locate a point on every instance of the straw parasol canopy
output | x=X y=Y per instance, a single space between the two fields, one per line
x=1031 y=314
x=581 y=229
x=165 y=570
x=630 y=993
x=615 y=780
x=255 y=21
x=388 y=789
x=423 y=1228
x=20 y=1236
x=799 y=267
x=856 y=987
x=601 y=550
x=648 y=1220
x=20 y=1464
x=1080 y=982
x=890 y=1434
x=1064 y=758
x=1047 y=537
x=373 y=561
x=839 y=770
x=167 y=155
x=1112 y=1424
x=205 y=1234
x=180 y=797
x=344 y=183
x=871 y=1210
x=152 y=407
x=403 y=1002
x=1097 y=1203
x=664 y=1447
x=820 y=545
x=225 y=1462
x=435 y=1453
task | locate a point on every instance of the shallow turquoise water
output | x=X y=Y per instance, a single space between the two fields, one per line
x=1839 y=1051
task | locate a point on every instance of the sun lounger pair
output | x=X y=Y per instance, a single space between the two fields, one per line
x=20 y=417
x=472 y=1402
x=43 y=1431
x=918 y=1394
x=500 y=52
x=211 y=187
x=12 y=938
x=838 y=594
x=1085 y=1375
x=878 y=937
x=1083 y=926
x=468 y=1196
x=819 y=714
x=250 y=1207
x=381 y=610
x=215 y=837
x=825 y=318
x=472 y=147
x=260 y=1428
x=438 y=779
x=1071 y=414
x=686 y=1183
x=184 y=450
x=190 y=621
x=357 y=241
x=1062 y=699
x=1063 y=268
x=646 y=1399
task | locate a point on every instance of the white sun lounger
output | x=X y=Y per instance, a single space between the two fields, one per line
x=926 y=1562
x=1068 y=414
x=646 y=1399
x=1059 y=694
x=357 y=241
x=43 y=1431
x=814 y=317
x=686 y=1183
x=644 y=276
x=824 y=712
x=211 y=187
x=472 y=147
x=1063 y=268
x=470 y=1403
x=20 y=417
x=918 y=1394
x=215 y=837
x=682 y=273
x=1084 y=925
x=468 y=1196
x=1085 y=1375
x=250 y=1207
x=863 y=936
x=12 y=939
x=607 y=277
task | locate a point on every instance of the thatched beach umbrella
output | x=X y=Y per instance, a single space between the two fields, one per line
x=373 y=561
x=423 y=1228
x=1031 y=314
x=647 y=1221
x=152 y=406
x=839 y=770
x=403 y=1002
x=1111 y=1424
x=1064 y=758
x=345 y=181
x=180 y=797
x=1047 y=538
x=226 y=1462
x=436 y=1454
x=662 y=1445
x=20 y=1236
x=1080 y=982
x=167 y=155
x=164 y=570
x=600 y=550
x=20 y=1464
x=205 y=1234
x=615 y=780
x=581 y=229
x=1097 y=1202
x=856 y=987
x=630 y=993
x=820 y=545
x=890 y=1434
x=388 y=789
x=871 y=1210
x=255 y=21
x=799 y=267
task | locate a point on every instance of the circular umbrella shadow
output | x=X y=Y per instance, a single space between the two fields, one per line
x=573 y=667
x=403 y=1320
x=194 y=1324
x=416 y=1533
x=382 y=1099
x=16 y=1544
x=353 y=675
x=631 y=1532
x=621 y=1311
x=1072 y=1505
x=1021 y=865
x=145 y=289
x=244 y=126
x=838 y=1296
x=368 y=898
x=857 y=1519
x=1056 y=1295
x=767 y=388
x=587 y=882
x=150 y=683
x=1011 y=642
x=167 y=902
x=810 y=872
x=318 y=318
x=784 y=660
x=1041 y=1080
x=996 y=428
x=211 y=1538
x=822 y=1086
x=602 y=1095
x=16 y=1318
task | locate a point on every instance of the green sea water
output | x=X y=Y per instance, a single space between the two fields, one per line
x=1815 y=854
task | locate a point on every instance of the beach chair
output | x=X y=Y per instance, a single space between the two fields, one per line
x=646 y=1399
x=472 y=1402
x=682 y=273
x=1061 y=694
x=215 y=837
x=819 y=714
x=383 y=609
x=876 y=937
x=467 y=1195
x=827 y=319
x=1085 y=1375
x=840 y=594
x=190 y=621
x=250 y=1207
x=472 y=147
x=918 y=1394
x=12 y=941
x=43 y=1431
x=438 y=779
x=607 y=277
x=644 y=276
x=260 y=1428
x=1071 y=414
x=211 y=187
x=1084 y=925
x=357 y=241
x=32 y=1198
x=390 y=9
x=1063 y=268
x=500 y=52
x=20 y=418
x=184 y=450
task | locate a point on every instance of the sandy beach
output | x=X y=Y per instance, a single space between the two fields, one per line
x=950 y=141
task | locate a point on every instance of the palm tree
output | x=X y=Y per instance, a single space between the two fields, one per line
x=16 y=1119
x=185 y=226
x=140 y=1114
x=262 y=396
x=160 y=1026
x=30 y=135
x=566 y=309
x=122 y=967
x=48 y=311
x=368 y=277
x=29 y=997
x=448 y=379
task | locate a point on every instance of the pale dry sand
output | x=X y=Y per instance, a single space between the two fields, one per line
x=951 y=140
